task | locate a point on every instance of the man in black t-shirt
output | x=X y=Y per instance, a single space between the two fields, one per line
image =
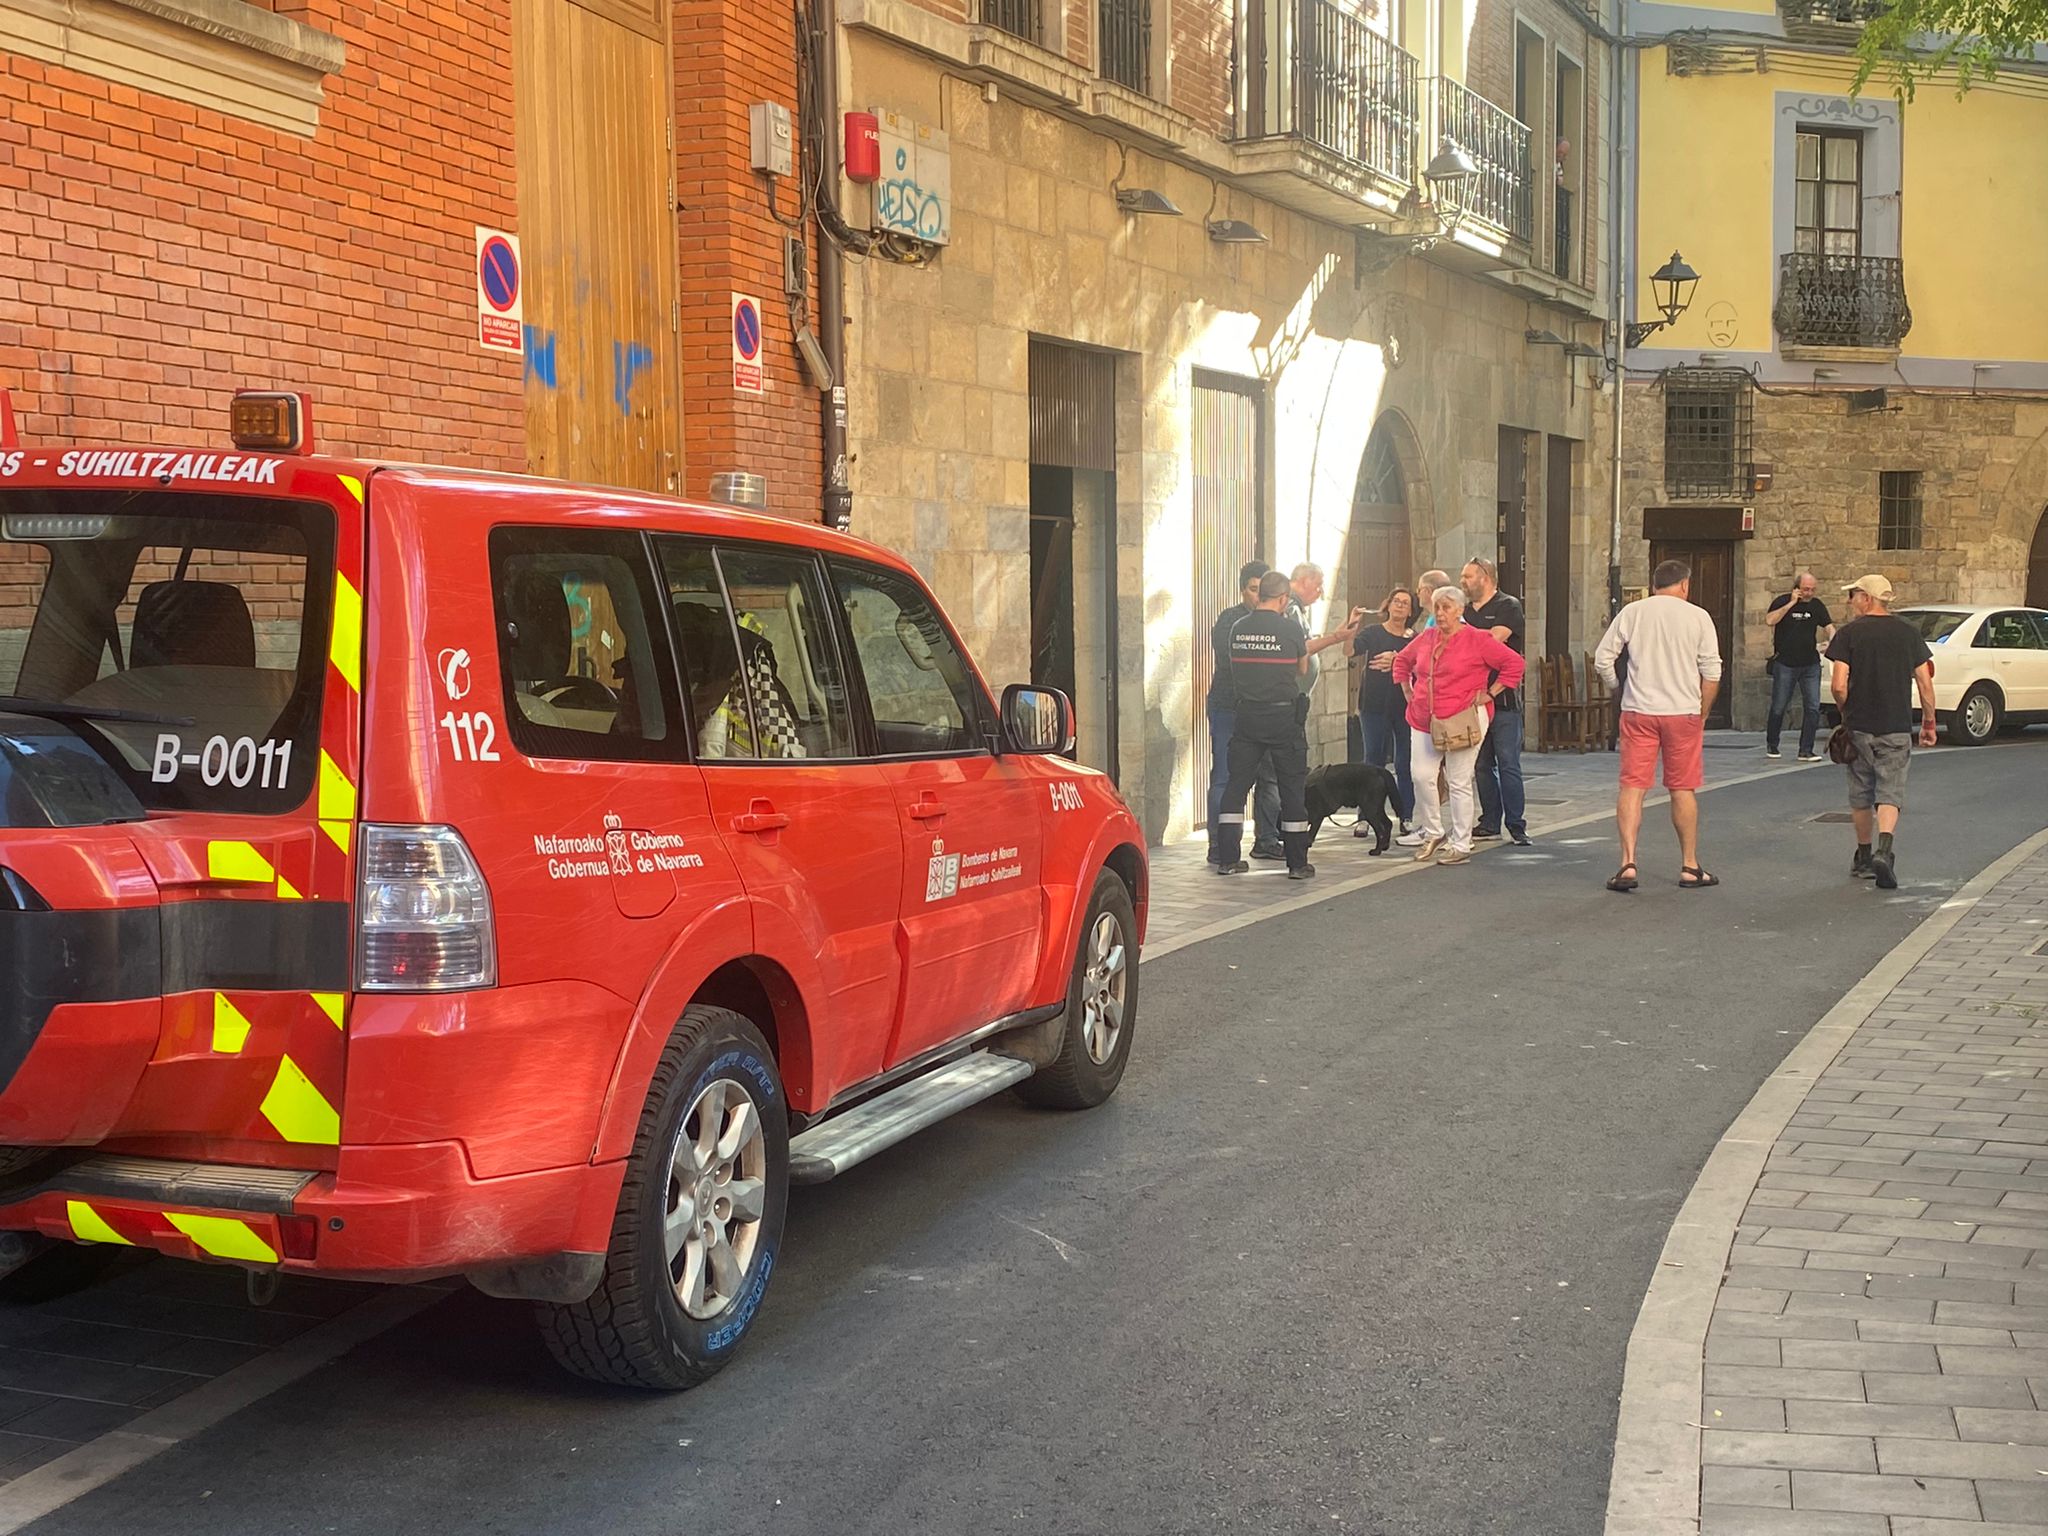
x=1268 y=654
x=1800 y=625
x=1501 y=801
x=1879 y=661
x=1222 y=710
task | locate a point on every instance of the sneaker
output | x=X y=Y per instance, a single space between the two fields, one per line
x=1884 y=871
x=1409 y=840
x=1456 y=856
x=1486 y=834
x=1271 y=855
x=1859 y=866
x=1427 y=849
x=1303 y=872
x=1773 y=753
x=1809 y=757
x=1519 y=836
x=1239 y=868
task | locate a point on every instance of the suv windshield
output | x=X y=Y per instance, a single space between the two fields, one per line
x=181 y=635
x=1934 y=624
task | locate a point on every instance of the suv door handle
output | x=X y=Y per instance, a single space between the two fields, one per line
x=928 y=809
x=761 y=817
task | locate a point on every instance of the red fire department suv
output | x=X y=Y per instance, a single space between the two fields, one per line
x=411 y=872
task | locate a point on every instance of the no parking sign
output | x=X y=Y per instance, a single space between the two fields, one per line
x=746 y=344
x=500 y=302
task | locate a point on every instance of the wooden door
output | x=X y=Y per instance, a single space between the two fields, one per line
x=591 y=122
x=1713 y=588
x=1557 y=549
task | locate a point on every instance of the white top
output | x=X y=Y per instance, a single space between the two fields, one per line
x=1672 y=649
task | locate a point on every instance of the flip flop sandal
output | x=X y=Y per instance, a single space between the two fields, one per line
x=1623 y=881
x=1700 y=878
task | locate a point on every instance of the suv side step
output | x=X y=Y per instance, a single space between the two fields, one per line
x=846 y=1140
x=214 y=1186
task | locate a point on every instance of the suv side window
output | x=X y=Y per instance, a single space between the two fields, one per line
x=586 y=674
x=765 y=677
x=919 y=688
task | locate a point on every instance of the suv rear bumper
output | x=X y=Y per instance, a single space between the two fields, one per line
x=397 y=1213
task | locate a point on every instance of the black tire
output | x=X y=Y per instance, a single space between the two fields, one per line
x=14 y=1159
x=635 y=1331
x=1076 y=1079
x=1959 y=732
x=63 y=1269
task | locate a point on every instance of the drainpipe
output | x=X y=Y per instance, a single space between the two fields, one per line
x=836 y=508
x=1619 y=215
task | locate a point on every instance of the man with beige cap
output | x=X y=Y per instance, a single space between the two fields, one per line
x=1878 y=662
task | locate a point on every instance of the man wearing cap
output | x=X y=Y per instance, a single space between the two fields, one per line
x=1879 y=661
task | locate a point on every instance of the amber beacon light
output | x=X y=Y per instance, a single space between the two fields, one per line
x=278 y=421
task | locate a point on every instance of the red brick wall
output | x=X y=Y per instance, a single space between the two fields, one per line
x=729 y=54
x=155 y=256
x=1199 y=66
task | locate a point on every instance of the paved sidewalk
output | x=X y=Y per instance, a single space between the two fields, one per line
x=1562 y=787
x=1877 y=1359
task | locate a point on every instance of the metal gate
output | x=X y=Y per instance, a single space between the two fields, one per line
x=1227 y=448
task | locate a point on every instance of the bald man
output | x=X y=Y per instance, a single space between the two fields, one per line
x=1800 y=625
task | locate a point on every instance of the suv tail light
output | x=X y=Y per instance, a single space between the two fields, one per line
x=423 y=923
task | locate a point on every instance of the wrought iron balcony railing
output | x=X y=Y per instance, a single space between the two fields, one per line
x=1841 y=301
x=1499 y=142
x=1828 y=13
x=1125 y=33
x=1319 y=73
x=1567 y=235
x=1020 y=18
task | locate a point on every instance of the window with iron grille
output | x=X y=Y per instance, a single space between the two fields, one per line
x=1706 y=432
x=1898 y=509
x=1021 y=18
x=1125 y=34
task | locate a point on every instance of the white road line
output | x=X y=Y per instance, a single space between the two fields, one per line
x=1655 y=1487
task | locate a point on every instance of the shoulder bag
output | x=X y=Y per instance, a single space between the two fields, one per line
x=1467 y=728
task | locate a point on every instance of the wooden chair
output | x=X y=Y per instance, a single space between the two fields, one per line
x=1563 y=718
x=1602 y=711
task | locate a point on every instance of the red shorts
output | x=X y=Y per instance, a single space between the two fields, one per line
x=1679 y=739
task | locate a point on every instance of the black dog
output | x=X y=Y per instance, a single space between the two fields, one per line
x=1347 y=784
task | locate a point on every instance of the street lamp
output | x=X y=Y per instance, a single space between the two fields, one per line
x=1672 y=286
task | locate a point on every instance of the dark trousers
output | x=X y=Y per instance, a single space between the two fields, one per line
x=1784 y=680
x=1386 y=745
x=1266 y=734
x=1265 y=804
x=1501 y=799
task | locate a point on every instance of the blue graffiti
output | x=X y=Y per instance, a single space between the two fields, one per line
x=630 y=359
x=906 y=207
x=540 y=358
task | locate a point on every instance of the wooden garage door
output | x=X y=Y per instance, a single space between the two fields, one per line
x=592 y=121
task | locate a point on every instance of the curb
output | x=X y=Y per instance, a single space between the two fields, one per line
x=1654 y=1488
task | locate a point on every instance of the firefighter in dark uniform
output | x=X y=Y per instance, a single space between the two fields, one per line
x=1268 y=655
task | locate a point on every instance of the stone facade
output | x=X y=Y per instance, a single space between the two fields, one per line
x=1334 y=337
x=1983 y=462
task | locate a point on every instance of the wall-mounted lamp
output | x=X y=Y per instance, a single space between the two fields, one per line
x=1235 y=232
x=1145 y=200
x=1536 y=338
x=1450 y=171
x=1671 y=286
x=1579 y=349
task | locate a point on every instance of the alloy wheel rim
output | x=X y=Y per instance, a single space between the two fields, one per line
x=1104 y=984
x=1978 y=716
x=716 y=1196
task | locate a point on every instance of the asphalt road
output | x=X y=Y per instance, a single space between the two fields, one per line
x=1357 y=1248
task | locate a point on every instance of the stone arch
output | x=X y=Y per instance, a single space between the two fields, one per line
x=1393 y=514
x=2037 y=565
x=2014 y=559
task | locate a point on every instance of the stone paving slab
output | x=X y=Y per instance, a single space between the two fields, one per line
x=1877 y=1354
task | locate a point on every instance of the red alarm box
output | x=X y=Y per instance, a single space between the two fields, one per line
x=863 y=147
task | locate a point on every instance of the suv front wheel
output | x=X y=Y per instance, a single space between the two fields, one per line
x=700 y=1216
x=1102 y=1006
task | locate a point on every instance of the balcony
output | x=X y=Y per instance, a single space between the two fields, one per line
x=1319 y=74
x=1842 y=301
x=1826 y=20
x=1499 y=142
x=1019 y=18
x=1124 y=43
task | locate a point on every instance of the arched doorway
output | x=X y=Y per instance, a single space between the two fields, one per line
x=2037 y=566
x=1382 y=549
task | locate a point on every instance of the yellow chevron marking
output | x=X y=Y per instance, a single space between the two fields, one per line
x=331 y=1004
x=346 y=648
x=88 y=1226
x=298 y=1110
x=223 y=1237
x=339 y=833
x=355 y=487
x=230 y=1026
x=337 y=795
x=238 y=861
x=286 y=891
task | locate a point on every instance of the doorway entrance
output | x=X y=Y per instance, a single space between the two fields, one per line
x=1512 y=535
x=1073 y=539
x=1557 y=548
x=2037 y=566
x=1713 y=588
x=1227 y=446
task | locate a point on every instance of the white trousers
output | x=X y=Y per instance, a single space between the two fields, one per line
x=1459 y=769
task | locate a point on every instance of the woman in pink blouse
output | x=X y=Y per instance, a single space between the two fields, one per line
x=1444 y=671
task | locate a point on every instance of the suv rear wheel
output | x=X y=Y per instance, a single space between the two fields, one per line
x=700 y=1216
x=1976 y=718
x=1102 y=1007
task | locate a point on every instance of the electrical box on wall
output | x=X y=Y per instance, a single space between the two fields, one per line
x=772 y=137
x=914 y=195
x=863 y=148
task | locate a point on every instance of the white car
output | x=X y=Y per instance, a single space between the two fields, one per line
x=1990 y=666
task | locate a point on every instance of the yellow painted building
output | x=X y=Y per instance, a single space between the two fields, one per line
x=1860 y=381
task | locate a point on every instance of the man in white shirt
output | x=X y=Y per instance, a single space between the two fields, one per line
x=1674 y=671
